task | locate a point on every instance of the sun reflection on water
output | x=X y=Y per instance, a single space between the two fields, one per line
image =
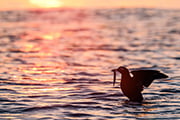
x=38 y=53
x=51 y=36
x=49 y=68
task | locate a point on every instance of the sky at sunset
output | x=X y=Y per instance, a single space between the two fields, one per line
x=25 y=4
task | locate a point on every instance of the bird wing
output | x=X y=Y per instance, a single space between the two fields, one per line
x=146 y=77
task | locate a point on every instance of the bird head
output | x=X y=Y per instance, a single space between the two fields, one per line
x=123 y=70
x=120 y=69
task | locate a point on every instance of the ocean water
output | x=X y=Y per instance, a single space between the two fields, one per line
x=56 y=64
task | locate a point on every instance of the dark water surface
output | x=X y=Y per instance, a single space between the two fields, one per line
x=56 y=64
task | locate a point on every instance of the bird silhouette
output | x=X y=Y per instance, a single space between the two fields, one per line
x=133 y=86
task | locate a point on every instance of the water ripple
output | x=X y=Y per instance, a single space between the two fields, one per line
x=56 y=64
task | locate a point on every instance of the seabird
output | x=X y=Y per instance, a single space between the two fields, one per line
x=133 y=86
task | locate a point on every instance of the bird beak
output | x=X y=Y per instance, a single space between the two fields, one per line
x=114 y=77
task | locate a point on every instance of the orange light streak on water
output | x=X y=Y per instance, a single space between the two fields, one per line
x=51 y=36
x=40 y=48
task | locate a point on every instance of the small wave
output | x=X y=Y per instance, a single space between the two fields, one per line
x=3 y=79
x=81 y=80
x=80 y=64
x=121 y=49
x=87 y=74
x=77 y=114
x=170 y=90
x=6 y=100
x=77 y=30
x=15 y=104
x=37 y=96
x=20 y=61
x=114 y=95
x=104 y=99
x=103 y=96
x=177 y=58
x=86 y=103
x=39 y=108
x=8 y=90
x=13 y=83
x=97 y=93
x=66 y=106
x=4 y=111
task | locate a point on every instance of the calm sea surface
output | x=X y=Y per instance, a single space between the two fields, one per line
x=56 y=64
